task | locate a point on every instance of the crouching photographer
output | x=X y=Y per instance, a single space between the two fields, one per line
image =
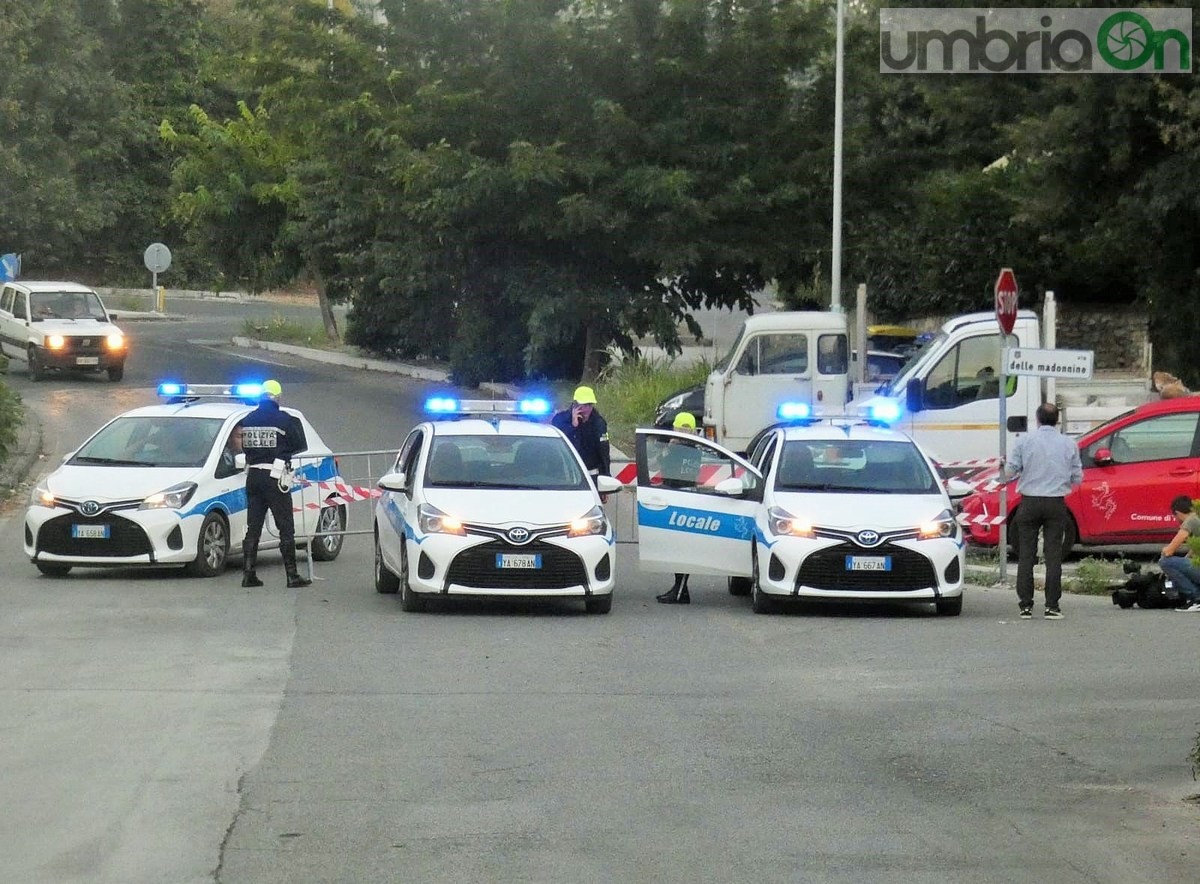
x=1176 y=563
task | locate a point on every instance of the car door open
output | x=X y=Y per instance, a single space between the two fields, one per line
x=690 y=516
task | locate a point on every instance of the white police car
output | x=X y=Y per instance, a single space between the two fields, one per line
x=484 y=502
x=162 y=485
x=829 y=508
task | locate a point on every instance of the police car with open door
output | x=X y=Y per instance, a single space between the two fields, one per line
x=487 y=500
x=820 y=508
x=163 y=485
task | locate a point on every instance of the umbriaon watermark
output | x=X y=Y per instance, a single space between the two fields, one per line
x=1035 y=41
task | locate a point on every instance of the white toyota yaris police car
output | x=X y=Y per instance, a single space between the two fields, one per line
x=162 y=485
x=483 y=503
x=819 y=509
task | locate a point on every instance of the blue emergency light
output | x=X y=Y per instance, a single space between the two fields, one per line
x=248 y=391
x=536 y=407
x=441 y=405
x=168 y=389
x=885 y=412
x=793 y=411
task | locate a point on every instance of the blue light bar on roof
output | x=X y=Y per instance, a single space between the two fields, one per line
x=442 y=405
x=168 y=389
x=885 y=412
x=535 y=407
x=250 y=392
x=793 y=411
x=448 y=406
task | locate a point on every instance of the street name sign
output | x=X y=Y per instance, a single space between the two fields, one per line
x=1048 y=363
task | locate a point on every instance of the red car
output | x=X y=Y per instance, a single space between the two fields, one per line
x=1133 y=467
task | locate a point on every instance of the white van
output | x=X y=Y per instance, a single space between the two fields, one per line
x=777 y=357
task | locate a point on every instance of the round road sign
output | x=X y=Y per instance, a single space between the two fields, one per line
x=157 y=257
x=1006 y=300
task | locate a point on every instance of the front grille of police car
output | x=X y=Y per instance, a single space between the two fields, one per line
x=110 y=507
x=535 y=534
x=125 y=538
x=476 y=567
x=826 y=569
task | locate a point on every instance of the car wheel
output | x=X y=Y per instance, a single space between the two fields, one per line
x=409 y=600
x=116 y=372
x=599 y=604
x=950 y=607
x=739 y=585
x=212 y=547
x=759 y=600
x=386 y=582
x=36 y=370
x=51 y=569
x=332 y=519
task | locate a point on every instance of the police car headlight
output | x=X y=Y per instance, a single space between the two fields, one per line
x=41 y=496
x=171 y=499
x=783 y=522
x=593 y=522
x=432 y=520
x=943 y=526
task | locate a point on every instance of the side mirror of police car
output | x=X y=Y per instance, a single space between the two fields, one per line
x=730 y=487
x=394 y=482
x=608 y=485
x=958 y=489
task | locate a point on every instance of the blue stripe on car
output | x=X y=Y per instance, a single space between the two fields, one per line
x=701 y=522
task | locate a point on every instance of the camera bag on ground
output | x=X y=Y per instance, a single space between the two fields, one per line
x=1147 y=590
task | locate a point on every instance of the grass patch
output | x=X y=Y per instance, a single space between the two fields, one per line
x=629 y=391
x=1095 y=577
x=286 y=331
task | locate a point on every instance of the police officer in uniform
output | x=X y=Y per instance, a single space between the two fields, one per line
x=679 y=469
x=270 y=437
x=588 y=431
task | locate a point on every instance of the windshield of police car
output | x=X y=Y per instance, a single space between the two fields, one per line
x=503 y=461
x=151 y=441
x=844 y=465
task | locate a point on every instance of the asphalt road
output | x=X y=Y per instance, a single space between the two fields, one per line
x=157 y=728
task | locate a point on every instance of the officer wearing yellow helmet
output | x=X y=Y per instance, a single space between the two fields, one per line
x=680 y=468
x=587 y=430
x=270 y=437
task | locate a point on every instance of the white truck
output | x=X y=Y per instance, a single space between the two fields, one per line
x=776 y=357
x=947 y=394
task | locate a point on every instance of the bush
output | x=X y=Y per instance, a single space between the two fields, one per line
x=630 y=390
x=11 y=418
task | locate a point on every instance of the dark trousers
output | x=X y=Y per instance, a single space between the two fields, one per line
x=1049 y=515
x=262 y=494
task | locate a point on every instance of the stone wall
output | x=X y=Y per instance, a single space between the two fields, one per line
x=1120 y=337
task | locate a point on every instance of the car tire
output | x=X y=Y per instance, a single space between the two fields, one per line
x=951 y=607
x=598 y=604
x=386 y=583
x=738 y=585
x=409 y=600
x=212 y=547
x=331 y=518
x=759 y=600
x=36 y=370
x=116 y=372
x=53 y=569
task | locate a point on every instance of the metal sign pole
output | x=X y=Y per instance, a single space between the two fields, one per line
x=1003 y=461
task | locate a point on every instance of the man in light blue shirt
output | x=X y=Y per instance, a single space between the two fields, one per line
x=1049 y=466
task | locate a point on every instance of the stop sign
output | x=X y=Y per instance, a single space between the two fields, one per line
x=1006 y=300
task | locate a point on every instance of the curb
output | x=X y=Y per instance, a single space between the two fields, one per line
x=20 y=463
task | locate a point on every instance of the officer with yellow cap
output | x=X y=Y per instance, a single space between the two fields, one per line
x=680 y=468
x=270 y=437
x=588 y=431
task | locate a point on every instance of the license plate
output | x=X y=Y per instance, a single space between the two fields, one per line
x=91 y=532
x=868 y=563
x=518 y=560
x=87 y=360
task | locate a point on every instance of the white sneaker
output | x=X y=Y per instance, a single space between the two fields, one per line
x=1193 y=608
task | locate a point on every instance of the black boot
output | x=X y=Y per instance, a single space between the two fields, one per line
x=677 y=594
x=294 y=580
x=249 y=560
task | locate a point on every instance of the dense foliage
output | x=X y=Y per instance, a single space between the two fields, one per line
x=518 y=186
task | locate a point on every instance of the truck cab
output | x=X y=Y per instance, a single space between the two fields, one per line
x=947 y=394
x=777 y=357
